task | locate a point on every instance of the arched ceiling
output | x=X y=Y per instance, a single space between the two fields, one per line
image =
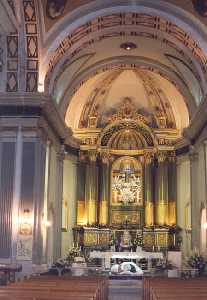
x=72 y=52
x=163 y=46
x=152 y=96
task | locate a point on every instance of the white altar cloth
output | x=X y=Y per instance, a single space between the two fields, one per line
x=107 y=256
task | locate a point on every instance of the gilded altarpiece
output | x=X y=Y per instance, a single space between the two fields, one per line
x=126 y=197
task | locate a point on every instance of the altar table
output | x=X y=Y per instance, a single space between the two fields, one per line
x=107 y=256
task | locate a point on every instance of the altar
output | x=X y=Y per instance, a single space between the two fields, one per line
x=107 y=256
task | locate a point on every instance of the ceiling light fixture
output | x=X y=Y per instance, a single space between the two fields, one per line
x=128 y=46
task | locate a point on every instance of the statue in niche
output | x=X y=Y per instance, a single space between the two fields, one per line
x=55 y=8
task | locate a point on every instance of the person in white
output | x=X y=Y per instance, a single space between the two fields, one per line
x=126 y=268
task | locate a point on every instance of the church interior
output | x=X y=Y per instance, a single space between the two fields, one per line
x=103 y=148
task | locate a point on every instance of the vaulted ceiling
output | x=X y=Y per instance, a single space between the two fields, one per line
x=72 y=50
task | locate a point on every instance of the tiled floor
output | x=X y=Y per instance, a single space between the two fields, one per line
x=125 y=290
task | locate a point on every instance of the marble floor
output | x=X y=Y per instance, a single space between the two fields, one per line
x=125 y=290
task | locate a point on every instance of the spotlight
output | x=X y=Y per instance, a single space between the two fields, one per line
x=128 y=46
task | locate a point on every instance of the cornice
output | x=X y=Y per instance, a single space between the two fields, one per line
x=39 y=106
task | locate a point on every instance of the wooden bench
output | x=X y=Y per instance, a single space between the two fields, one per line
x=174 y=289
x=49 y=288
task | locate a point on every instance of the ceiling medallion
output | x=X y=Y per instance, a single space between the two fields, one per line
x=128 y=46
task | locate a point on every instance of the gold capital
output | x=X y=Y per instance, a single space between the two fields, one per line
x=161 y=156
x=148 y=157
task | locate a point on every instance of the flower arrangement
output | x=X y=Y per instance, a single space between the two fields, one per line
x=138 y=240
x=197 y=261
x=74 y=252
x=64 y=262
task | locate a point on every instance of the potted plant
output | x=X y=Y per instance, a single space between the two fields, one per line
x=197 y=261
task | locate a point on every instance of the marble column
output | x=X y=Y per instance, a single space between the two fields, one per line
x=91 y=189
x=161 y=191
x=195 y=209
x=149 y=205
x=81 y=177
x=172 y=178
x=104 y=190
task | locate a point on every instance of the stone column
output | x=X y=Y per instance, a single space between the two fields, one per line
x=104 y=190
x=172 y=188
x=161 y=191
x=39 y=185
x=7 y=189
x=195 y=209
x=58 y=204
x=81 y=177
x=16 y=192
x=91 y=189
x=149 y=205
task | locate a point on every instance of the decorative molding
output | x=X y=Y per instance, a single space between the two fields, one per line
x=157 y=24
x=12 y=83
x=32 y=55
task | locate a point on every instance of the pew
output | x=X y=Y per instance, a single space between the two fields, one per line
x=174 y=289
x=56 y=288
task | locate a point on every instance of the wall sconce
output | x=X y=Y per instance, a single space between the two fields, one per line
x=26 y=223
x=46 y=223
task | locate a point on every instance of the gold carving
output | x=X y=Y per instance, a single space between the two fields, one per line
x=166 y=142
x=148 y=157
x=90 y=238
x=149 y=239
x=119 y=217
x=92 y=155
x=105 y=156
x=126 y=182
x=127 y=111
x=162 y=239
x=161 y=156
x=172 y=156
x=92 y=121
x=103 y=238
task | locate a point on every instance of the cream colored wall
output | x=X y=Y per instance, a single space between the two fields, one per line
x=183 y=201
x=201 y=191
x=69 y=195
x=191 y=198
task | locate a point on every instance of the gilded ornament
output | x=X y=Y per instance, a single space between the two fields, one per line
x=92 y=155
x=148 y=156
x=161 y=156
x=172 y=156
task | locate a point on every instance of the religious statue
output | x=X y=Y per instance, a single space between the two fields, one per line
x=126 y=239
